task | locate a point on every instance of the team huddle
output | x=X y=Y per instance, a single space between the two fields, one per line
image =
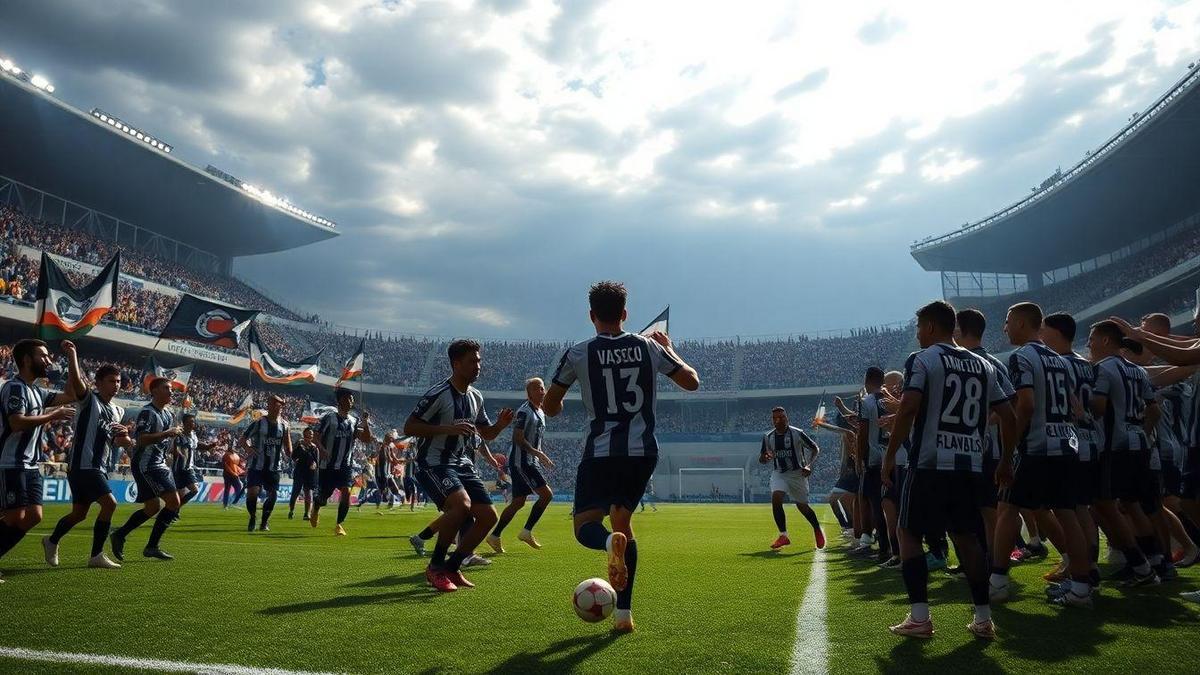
x=966 y=445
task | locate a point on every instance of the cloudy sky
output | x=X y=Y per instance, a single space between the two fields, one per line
x=762 y=167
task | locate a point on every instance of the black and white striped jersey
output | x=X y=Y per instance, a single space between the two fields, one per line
x=185 y=453
x=1049 y=376
x=91 y=442
x=151 y=420
x=21 y=449
x=266 y=437
x=1090 y=433
x=443 y=405
x=993 y=447
x=1128 y=389
x=532 y=423
x=788 y=448
x=337 y=435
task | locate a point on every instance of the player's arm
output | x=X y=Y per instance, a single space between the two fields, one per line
x=860 y=445
x=910 y=405
x=1153 y=414
x=486 y=453
x=76 y=388
x=1023 y=410
x=816 y=451
x=765 y=455
x=244 y=443
x=523 y=443
x=681 y=373
x=23 y=422
x=363 y=433
x=489 y=432
x=1172 y=351
x=552 y=405
x=145 y=437
x=287 y=443
x=1165 y=376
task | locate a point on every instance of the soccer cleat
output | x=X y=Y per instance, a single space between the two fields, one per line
x=291 y=515
x=820 y=537
x=1038 y=552
x=494 y=541
x=418 y=544
x=1166 y=572
x=780 y=541
x=314 y=519
x=264 y=528
x=1191 y=596
x=622 y=624
x=1018 y=554
x=618 y=574
x=527 y=537
x=1137 y=580
x=157 y=553
x=1070 y=599
x=251 y=524
x=892 y=563
x=984 y=630
x=456 y=577
x=910 y=628
x=51 y=549
x=339 y=531
x=438 y=579
x=118 y=546
x=101 y=561
x=956 y=572
x=1187 y=559
x=476 y=561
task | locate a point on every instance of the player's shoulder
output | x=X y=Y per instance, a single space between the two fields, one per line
x=439 y=389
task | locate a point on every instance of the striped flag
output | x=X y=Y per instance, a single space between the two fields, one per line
x=313 y=412
x=178 y=376
x=659 y=323
x=278 y=370
x=243 y=409
x=354 y=366
x=64 y=311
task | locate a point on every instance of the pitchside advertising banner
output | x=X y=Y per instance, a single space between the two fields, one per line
x=56 y=490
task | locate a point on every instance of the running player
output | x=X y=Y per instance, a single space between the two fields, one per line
x=97 y=430
x=154 y=433
x=525 y=460
x=616 y=372
x=266 y=442
x=783 y=448
x=948 y=393
x=451 y=424
x=841 y=497
x=1044 y=470
x=183 y=460
x=335 y=438
x=304 y=472
x=385 y=481
x=22 y=426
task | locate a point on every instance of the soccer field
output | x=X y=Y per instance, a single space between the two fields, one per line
x=710 y=597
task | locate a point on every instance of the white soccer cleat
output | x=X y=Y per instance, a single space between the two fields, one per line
x=51 y=549
x=527 y=537
x=911 y=628
x=101 y=561
x=476 y=561
x=494 y=541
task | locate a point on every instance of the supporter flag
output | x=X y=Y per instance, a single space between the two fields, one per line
x=659 y=323
x=243 y=409
x=178 y=376
x=278 y=370
x=313 y=412
x=207 y=322
x=354 y=367
x=64 y=311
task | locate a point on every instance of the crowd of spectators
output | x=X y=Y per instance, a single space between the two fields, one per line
x=801 y=361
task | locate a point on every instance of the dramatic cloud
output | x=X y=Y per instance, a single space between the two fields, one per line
x=762 y=172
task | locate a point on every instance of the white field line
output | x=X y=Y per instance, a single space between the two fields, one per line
x=143 y=664
x=810 y=655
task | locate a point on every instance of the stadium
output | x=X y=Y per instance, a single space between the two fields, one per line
x=1118 y=234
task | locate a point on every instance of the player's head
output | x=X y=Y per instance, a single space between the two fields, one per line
x=160 y=391
x=1058 y=332
x=607 y=302
x=32 y=358
x=969 y=325
x=779 y=417
x=389 y=437
x=274 y=405
x=893 y=380
x=189 y=421
x=935 y=323
x=307 y=434
x=873 y=379
x=345 y=400
x=1157 y=324
x=1105 y=340
x=108 y=381
x=1023 y=322
x=466 y=359
x=535 y=390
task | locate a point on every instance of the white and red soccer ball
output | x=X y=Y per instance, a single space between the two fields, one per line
x=594 y=600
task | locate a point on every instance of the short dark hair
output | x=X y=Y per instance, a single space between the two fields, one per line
x=1063 y=323
x=940 y=313
x=607 y=299
x=460 y=348
x=874 y=375
x=971 y=322
x=158 y=382
x=1109 y=329
x=25 y=348
x=1163 y=321
x=188 y=416
x=342 y=393
x=778 y=408
x=1029 y=311
x=107 y=370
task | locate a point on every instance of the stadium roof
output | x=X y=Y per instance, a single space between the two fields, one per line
x=1141 y=180
x=67 y=152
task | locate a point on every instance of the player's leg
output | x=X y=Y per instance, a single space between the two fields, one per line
x=78 y=512
x=326 y=480
x=343 y=504
x=150 y=507
x=621 y=519
x=798 y=490
x=891 y=513
x=252 y=499
x=482 y=517
x=272 y=488
x=780 y=519
x=297 y=488
x=165 y=487
x=915 y=502
x=506 y=516
x=100 y=530
x=544 y=497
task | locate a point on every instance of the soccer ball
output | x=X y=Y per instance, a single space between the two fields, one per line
x=594 y=600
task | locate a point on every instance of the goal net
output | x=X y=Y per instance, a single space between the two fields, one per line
x=712 y=485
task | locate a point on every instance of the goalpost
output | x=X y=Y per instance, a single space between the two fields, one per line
x=724 y=484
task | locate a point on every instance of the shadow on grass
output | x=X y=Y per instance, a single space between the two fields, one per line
x=417 y=594
x=909 y=657
x=389 y=580
x=561 y=657
x=773 y=554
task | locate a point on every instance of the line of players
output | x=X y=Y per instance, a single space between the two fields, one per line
x=1070 y=445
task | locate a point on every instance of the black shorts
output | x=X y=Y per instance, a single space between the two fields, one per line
x=1134 y=481
x=873 y=484
x=847 y=483
x=1086 y=481
x=88 y=485
x=152 y=483
x=439 y=482
x=1189 y=487
x=331 y=479
x=1102 y=490
x=605 y=482
x=304 y=480
x=183 y=478
x=526 y=480
x=1172 y=480
x=261 y=478
x=933 y=502
x=1041 y=482
x=985 y=483
x=20 y=488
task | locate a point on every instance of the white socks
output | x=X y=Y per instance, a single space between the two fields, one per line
x=983 y=613
x=919 y=612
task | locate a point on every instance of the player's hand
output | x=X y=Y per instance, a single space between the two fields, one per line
x=176 y=430
x=806 y=470
x=548 y=462
x=68 y=349
x=1004 y=474
x=661 y=338
x=494 y=461
x=312 y=465
x=461 y=429
x=889 y=468
x=766 y=457
x=505 y=417
x=62 y=414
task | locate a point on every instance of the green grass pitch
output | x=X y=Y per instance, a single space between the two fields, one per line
x=710 y=598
